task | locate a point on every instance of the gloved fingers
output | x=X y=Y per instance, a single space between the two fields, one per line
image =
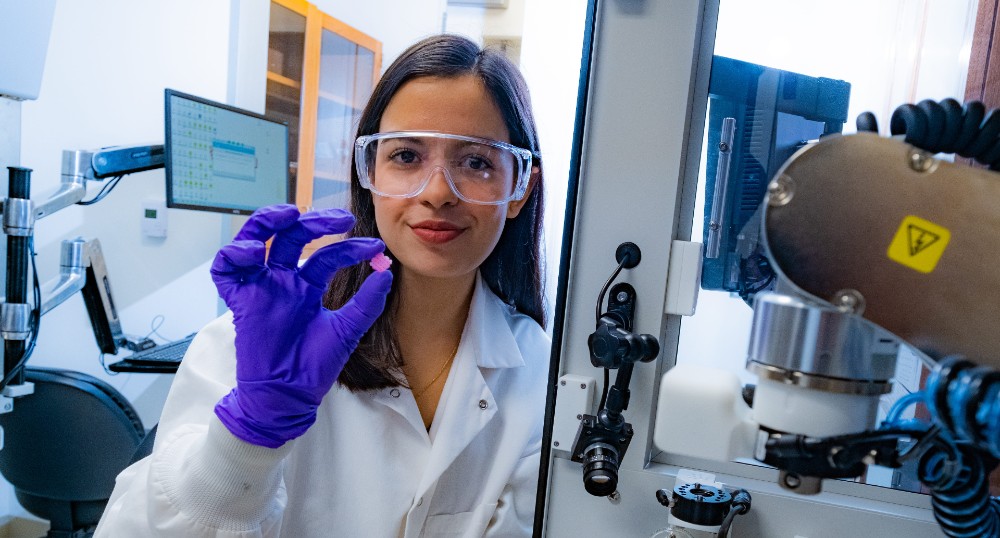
x=366 y=306
x=235 y=263
x=288 y=243
x=266 y=221
x=320 y=267
x=242 y=257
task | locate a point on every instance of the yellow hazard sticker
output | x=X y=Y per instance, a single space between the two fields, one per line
x=919 y=244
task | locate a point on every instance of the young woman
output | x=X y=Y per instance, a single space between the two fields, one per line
x=406 y=402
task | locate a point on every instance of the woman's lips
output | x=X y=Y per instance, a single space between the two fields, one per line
x=436 y=231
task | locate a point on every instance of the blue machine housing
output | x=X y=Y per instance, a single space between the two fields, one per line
x=774 y=113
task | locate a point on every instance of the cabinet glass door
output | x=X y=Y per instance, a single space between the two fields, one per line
x=345 y=83
x=285 y=45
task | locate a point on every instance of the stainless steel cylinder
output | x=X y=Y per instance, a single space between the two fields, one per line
x=806 y=343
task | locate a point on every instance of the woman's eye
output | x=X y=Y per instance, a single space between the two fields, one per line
x=478 y=164
x=404 y=156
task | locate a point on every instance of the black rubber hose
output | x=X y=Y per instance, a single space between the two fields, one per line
x=945 y=127
x=908 y=120
x=867 y=123
x=953 y=121
x=972 y=113
x=991 y=156
x=987 y=135
x=935 y=124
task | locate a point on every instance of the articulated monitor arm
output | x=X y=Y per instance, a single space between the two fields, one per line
x=82 y=268
x=81 y=262
x=78 y=166
x=18 y=319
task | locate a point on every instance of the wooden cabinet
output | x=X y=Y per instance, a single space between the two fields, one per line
x=320 y=73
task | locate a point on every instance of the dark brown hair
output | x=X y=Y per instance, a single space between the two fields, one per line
x=514 y=269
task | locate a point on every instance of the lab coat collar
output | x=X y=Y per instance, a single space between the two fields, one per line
x=467 y=404
x=487 y=341
x=488 y=330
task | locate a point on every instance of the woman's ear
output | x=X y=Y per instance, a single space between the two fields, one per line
x=514 y=207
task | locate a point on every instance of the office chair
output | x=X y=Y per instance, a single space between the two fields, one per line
x=64 y=446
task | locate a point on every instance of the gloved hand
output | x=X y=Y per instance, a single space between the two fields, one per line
x=289 y=348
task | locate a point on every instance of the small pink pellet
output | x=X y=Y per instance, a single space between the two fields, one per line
x=380 y=262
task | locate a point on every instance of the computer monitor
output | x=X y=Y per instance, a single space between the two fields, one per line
x=222 y=158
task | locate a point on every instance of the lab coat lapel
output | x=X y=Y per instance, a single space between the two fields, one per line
x=469 y=407
x=401 y=401
x=468 y=404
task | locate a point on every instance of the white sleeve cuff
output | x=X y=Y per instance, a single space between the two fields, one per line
x=222 y=481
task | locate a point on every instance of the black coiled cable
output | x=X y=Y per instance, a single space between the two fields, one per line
x=945 y=127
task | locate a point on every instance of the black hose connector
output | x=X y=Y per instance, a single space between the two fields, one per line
x=739 y=506
x=741 y=501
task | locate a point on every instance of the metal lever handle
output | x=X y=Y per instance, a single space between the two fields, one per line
x=717 y=220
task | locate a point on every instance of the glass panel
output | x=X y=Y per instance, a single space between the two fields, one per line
x=336 y=66
x=285 y=49
x=282 y=103
x=344 y=86
x=777 y=84
x=286 y=42
x=364 y=79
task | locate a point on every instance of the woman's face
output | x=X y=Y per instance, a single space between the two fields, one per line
x=436 y=234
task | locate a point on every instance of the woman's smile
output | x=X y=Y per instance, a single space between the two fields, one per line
x=436 y=231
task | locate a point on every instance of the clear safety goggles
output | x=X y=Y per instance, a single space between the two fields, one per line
x=480 y=171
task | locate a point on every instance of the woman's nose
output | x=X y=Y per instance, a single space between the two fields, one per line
x=439 y=190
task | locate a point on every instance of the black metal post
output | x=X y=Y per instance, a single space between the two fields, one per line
x=19 y=186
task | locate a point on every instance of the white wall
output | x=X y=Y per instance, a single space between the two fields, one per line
x=10 y=134
x=508 y=22
x=396 y=23
x=107 y=66
x=551 y=48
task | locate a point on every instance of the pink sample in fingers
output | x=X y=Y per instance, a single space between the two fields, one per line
x=380 y=262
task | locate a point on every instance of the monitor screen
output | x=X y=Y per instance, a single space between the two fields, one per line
x=222 y=158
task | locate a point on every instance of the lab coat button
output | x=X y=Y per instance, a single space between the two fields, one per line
x=420 y=501
x=394 y=393
x=483 y=404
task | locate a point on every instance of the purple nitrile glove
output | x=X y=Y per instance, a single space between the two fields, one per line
x=289 y=348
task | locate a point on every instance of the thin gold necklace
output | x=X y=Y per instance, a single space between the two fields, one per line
x=447 y=363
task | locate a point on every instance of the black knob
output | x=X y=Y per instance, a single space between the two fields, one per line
x=605 y=344
x=641 y=347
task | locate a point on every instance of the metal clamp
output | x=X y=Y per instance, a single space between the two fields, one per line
x=15 y=321
x=18 y=217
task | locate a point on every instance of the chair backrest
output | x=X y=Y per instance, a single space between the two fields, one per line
x=70 y=439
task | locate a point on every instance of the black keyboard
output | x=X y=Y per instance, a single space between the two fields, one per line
x=164 y=358
x=169 y=352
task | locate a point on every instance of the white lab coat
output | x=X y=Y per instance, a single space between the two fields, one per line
x=367 y=467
